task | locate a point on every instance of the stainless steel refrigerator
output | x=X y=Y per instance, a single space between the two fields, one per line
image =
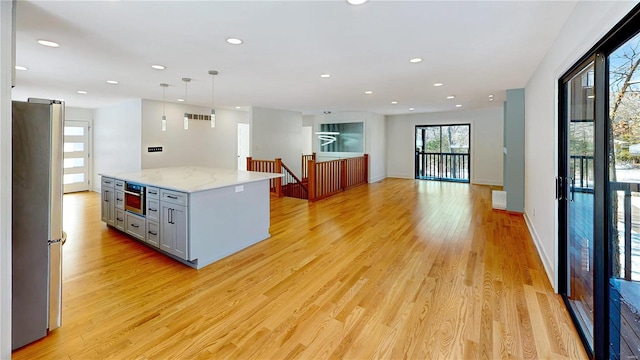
x=37 y=239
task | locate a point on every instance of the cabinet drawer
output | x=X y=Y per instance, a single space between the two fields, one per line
x=107 y=182
x=120 y=220
x=153 y=233
x=153 y=209
x=153 y=193
x=119 y=184
x=134 y=225
x=119 y=199
x=174 y=197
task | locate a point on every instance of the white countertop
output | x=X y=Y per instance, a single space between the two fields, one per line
x=192 y=178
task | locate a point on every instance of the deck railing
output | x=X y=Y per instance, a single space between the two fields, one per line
x=629 y=240
x=442 y=166
x=582 y=172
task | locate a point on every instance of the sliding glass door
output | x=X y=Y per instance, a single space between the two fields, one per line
x=624 y=199
x=577 y=175
x=598 y=192
x=442 y=152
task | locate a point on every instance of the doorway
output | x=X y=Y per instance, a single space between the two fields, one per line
x=443 y=152
x=76 y=155
x=243 y=145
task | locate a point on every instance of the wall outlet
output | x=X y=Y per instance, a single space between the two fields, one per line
x=239 y=188
x=154 y=149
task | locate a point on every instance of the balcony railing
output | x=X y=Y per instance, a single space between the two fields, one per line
x=442 y=166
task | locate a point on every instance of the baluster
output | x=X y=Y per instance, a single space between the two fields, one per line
x=627 y=234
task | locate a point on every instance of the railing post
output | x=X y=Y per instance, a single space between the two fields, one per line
x=313 y=156
x=627 y=234
x=343 y=174
x=366 y=168
x=278 y=170
x=312 y=179
x=249 y=164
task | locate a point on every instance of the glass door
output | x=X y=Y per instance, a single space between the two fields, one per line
x=76 y=156
x=577 y=204
x=442 y=152
x=624 y=200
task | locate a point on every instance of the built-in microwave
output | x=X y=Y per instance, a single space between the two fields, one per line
x=134 y=198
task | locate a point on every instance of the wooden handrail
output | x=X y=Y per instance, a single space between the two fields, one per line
x=325 y=178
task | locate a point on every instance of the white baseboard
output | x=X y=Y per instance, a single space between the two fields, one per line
x=400 y=176
x=486 y=182
x=546 y=262
x=376 y=179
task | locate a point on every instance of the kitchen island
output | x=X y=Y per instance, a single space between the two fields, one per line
x=195 y=215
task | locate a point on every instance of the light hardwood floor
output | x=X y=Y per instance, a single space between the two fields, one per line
x=396 y=269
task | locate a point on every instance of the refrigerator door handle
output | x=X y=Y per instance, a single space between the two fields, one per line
x=55 y=283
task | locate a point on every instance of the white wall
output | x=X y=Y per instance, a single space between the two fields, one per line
x=588 y=23
x=486 y=142
x=72 y=113
x=117 y=139
x=277 y=133
x=6 y=70
x=200 y=145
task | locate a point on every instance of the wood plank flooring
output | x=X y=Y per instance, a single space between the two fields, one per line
x=396 y=269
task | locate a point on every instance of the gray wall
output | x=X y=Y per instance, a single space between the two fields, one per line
x=514 y=150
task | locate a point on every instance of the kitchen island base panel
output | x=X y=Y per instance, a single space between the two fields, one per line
x=226 y=220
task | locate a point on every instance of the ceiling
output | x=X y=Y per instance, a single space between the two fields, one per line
x=475 y=48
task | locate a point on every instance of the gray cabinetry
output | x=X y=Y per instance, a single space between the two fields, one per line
x=119 y=221
x=108 y=201
x=135 y=225
x=153 y=233
x=173 y=223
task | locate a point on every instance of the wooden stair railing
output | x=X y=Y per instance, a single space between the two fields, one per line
x=323 y=178
x=328 y=178
x=292 y=186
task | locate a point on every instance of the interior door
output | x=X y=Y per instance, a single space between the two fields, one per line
x=76 y=156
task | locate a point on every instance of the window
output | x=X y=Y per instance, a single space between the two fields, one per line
x=442 y=152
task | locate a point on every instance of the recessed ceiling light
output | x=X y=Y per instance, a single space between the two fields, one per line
x=238 y=107
x=81 y=92
x=591 y=97
x=490 y=95
x=158 y=67
x=112 y=82
x=394 y=102
x=415 y=60
x=451 y=97
x=459 y=105
x=411 y=109
x=48 y=43
x=180 y=100
x=234 y=41
x=18 y=67
x=356 y=2
x=490 y=99
x=325 y=75
x=438 y=84
x=368 y=92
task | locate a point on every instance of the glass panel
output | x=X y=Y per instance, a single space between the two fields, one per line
x=74 y=130
x=73 y=162
x=341 y=137
x=579 y=94
x=71 y=147
x=442 y=152
x=624 y=177
x=73 y=178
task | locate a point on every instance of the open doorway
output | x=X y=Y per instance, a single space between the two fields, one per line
x=243 y=145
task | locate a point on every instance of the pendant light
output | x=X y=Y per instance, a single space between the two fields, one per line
x=164 y=115
x=213 y=73
x=185 y=122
